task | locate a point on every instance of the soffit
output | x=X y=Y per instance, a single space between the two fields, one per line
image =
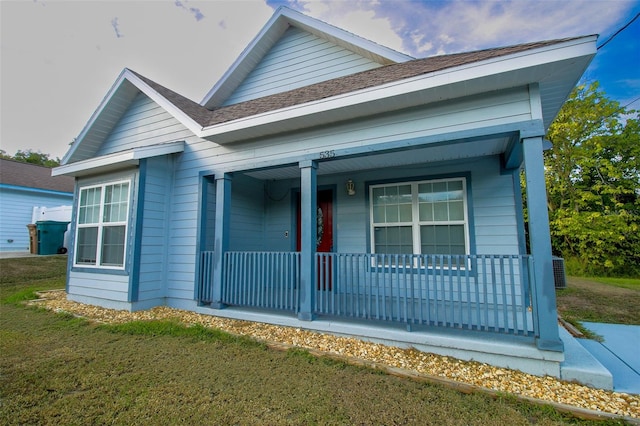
x=451 y=151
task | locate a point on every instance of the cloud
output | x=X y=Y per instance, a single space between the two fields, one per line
x=196 y=13
x=356 y=16
x=116 y=27
x=193 y=10
x=425 y=28
x=438 y=27
x=48 y=52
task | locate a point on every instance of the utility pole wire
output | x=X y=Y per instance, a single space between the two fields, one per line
x=618 y=32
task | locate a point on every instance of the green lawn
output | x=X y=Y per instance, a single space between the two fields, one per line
x=20 y=278
x=607 y=300
x=57 y=369
x=630 y=283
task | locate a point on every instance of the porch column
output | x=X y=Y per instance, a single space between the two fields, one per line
x=221 y=240
x=543 y=287
x=308 y=230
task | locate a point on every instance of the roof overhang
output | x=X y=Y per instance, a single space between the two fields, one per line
x=555 y=68
x=117 y=160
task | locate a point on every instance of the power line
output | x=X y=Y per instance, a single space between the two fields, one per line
x=618 y=32
x=633 y=101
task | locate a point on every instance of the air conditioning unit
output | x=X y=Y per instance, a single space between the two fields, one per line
x=559 y=275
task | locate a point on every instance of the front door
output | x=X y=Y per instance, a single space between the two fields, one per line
x=324 y=236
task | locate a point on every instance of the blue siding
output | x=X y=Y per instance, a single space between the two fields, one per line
x=209 y=214
x=298 y=59
x=153 y=251
x=280 y=231
x=16 y=209
x=247 y=215
x=144 y=123
x=103 y=286
x=262 y=210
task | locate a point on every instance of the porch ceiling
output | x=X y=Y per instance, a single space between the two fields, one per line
x=431 y=153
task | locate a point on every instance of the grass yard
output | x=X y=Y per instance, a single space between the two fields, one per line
x=57 y=369
x=609 y=300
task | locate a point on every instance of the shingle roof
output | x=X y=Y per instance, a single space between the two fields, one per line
x=338 y=86
x=33 y=176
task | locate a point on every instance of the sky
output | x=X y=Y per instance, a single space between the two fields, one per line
x=58 y=59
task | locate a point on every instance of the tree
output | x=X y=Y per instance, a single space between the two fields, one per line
x=29 y=156
x=593 y=184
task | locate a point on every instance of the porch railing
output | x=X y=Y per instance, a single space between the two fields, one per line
x=475 y=292
x=262 y=279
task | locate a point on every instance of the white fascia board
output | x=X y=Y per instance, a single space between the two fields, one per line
x=274 y=25
x=500 y=65
x=127 y=75
x=118 y=159
x=314 y=25
x=95 y=116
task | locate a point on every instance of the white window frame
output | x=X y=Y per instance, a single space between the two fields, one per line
x=101 y=225
x=416 y=223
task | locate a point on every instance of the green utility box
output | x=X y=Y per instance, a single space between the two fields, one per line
x=51 y=236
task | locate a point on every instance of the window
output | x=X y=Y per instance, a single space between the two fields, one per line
x=425 y=217
x=102 y=225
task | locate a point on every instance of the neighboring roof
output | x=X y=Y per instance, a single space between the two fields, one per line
x=337 y=86
x=29 y=175
x=282 y=19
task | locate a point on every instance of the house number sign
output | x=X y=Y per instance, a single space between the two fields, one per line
x=327 y=154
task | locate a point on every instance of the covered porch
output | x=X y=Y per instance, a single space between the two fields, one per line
x=261 y=228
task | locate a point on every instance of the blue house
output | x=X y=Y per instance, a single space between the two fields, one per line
x=24 y=186
x=330 y=183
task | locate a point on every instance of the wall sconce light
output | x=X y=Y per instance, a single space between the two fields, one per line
x=351 y=187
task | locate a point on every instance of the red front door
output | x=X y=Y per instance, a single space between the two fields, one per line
x=324 y=235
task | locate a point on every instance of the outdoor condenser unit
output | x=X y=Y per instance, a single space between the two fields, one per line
x=559 y=276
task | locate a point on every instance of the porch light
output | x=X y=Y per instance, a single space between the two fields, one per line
x=351 y=187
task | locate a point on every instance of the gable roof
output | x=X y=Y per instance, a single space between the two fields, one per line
x=28 y=175
x=281 y=20
x=338 y=86
x=554 y=66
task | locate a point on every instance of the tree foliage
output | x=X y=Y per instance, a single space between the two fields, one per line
x=593 y=184
x=32 y=157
